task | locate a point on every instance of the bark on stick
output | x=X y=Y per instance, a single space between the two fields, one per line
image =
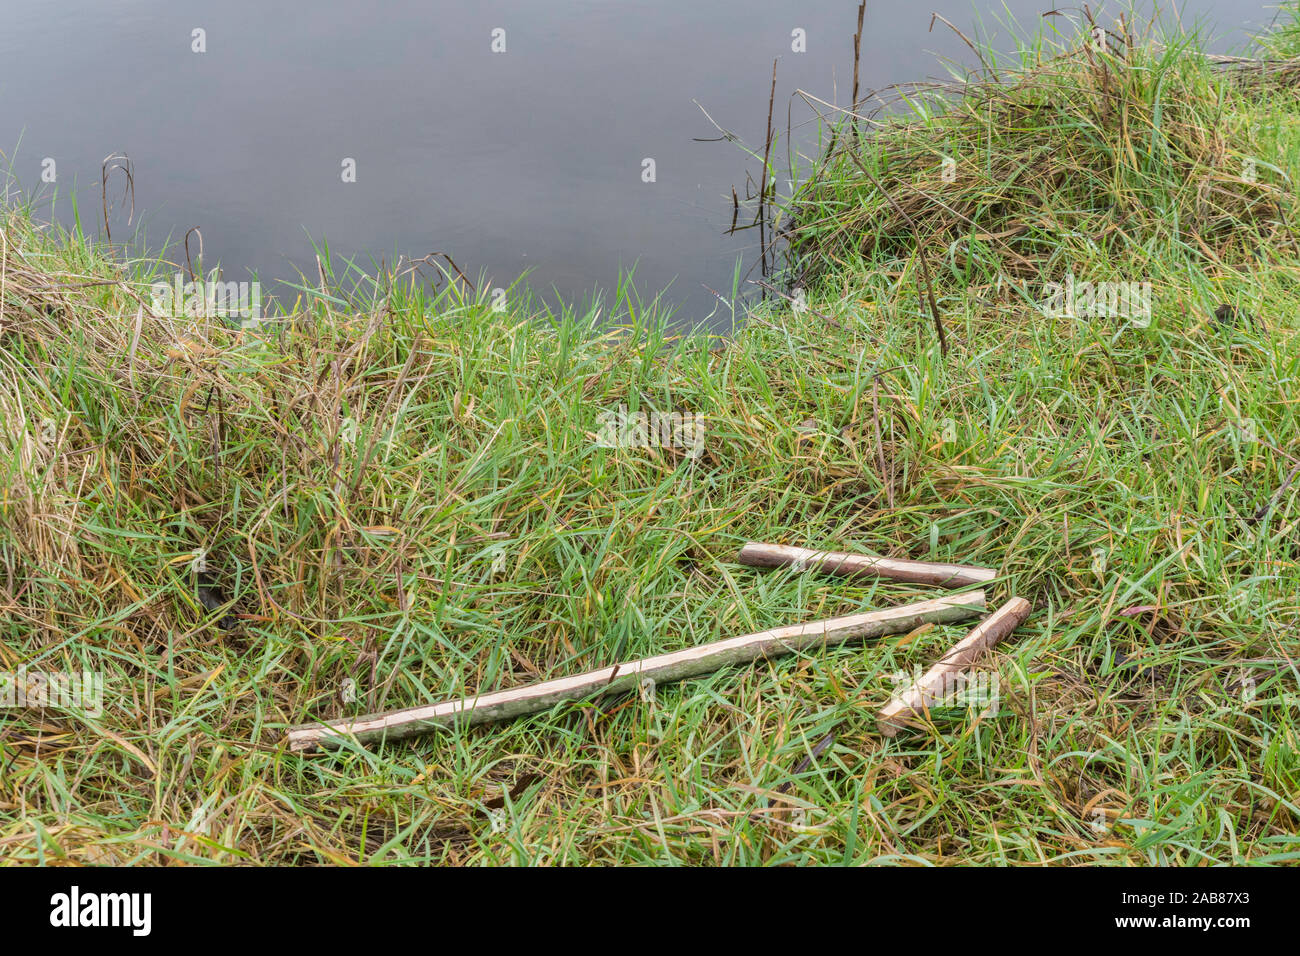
x=935 y=684
x=760 y=555
x=662 y=668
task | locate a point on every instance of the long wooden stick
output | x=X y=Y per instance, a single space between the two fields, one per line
x=935 y=684
x=662 y=668
x=760 y=555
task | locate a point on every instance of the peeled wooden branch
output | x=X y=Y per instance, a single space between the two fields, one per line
x=760 y=555
x=662 y=668
x=935 y=684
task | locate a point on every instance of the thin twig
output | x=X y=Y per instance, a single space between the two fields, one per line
x=762 y=187
x=920 y=251
x=886 y=480
x=857 y=56
x=189 y=263
x=1267 y=506
x=984 y=63
x=122 y=162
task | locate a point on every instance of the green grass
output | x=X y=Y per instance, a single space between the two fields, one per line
x=406 y=490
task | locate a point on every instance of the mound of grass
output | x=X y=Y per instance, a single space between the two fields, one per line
x=391 y=497
x=1097 y=147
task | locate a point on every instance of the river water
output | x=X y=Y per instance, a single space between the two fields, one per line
x=561 y=137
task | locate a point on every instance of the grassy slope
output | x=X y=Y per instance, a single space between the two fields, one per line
x=472 y=534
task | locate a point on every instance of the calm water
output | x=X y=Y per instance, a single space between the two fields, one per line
x=531 y=158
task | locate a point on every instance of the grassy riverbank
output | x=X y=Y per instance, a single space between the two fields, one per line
x=403 y=498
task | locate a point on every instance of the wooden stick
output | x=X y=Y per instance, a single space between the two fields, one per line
x=760 y=555
x=936 y=682
x=662 y=668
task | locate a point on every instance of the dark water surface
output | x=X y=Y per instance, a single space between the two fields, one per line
x=527 y=159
